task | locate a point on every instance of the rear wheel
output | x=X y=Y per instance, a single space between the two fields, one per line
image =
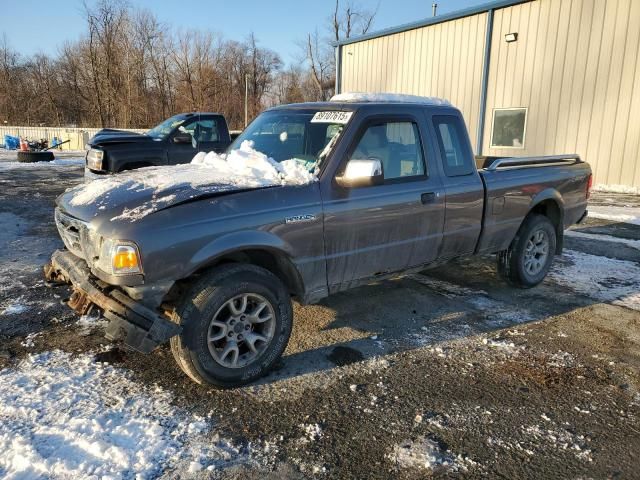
x=236 y=323
x=527 y=260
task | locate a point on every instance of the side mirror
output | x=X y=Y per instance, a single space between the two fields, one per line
x=182 y=137
x=362 y=173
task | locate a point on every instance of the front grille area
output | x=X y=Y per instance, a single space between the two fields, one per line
x=71 y=231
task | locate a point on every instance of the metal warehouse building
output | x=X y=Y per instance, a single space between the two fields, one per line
x=532 y=77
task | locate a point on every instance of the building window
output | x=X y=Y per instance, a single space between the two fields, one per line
x=509 y=127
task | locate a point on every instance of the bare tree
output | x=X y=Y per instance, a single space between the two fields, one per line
x=352 y=18
x=345 y=22
x=9 y=81
x=130 y=70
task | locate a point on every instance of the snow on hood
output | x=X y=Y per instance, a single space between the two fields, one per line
x=154 y=188
x=388 y=97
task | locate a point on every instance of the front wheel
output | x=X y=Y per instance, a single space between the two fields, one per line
x=236 y=323
x=527 y=260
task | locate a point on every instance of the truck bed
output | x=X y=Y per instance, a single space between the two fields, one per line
x=556 y=184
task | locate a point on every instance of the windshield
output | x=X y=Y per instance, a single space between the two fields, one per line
x=166 y=127
x=288 y=134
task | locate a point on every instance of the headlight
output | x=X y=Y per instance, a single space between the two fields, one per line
x=94 y=159
x=119 y=257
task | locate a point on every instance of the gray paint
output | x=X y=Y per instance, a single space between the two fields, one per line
x=351 y=236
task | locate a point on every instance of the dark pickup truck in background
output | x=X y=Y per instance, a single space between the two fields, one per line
x=175 y=140
x=397 y=190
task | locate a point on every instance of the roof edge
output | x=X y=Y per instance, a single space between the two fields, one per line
x=465 y=12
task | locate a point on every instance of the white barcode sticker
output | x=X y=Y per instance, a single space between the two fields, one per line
x=331 y=117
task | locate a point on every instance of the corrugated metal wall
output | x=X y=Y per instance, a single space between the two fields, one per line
x=575 y=66
x=78 y=136
x=442 y=60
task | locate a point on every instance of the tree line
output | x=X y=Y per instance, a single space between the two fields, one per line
x=129 y=70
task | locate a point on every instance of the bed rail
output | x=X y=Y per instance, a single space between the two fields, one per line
x=527 y=162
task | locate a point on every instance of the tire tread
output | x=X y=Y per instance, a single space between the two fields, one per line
x=508 y=259
x=198 y=295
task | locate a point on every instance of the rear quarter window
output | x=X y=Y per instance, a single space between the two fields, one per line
x=456 y=156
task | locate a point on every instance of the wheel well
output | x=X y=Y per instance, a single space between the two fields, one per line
x=275 y=262
x=550 y=209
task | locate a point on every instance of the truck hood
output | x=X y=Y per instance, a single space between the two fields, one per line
x=124 y=199
x=131 y=196
x=110 y=136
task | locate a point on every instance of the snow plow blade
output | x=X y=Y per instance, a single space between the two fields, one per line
x=138 y=326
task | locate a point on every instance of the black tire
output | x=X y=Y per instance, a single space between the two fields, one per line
x=32 y=157
x=512 y=263
x=206 y=298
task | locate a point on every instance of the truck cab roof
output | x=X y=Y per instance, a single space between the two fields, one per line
x=354 y=102
x=195 y=114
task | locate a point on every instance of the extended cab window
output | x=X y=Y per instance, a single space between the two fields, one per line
x=397 y=146
x=454 y=150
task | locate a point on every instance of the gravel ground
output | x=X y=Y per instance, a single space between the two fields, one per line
x=446 y=373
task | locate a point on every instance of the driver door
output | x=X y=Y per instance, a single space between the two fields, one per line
x=184 y=151
x=390 y=227
x=181 y=149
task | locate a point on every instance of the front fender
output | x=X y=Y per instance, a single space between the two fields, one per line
x=236 y=242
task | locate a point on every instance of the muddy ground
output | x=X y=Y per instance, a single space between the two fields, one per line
x=450 y=365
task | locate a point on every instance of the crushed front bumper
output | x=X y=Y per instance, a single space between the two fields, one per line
x=137 y=325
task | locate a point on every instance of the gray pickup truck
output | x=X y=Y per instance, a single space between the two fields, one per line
x=213 y=267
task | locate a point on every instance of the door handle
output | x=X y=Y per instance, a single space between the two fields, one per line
x=428 y=197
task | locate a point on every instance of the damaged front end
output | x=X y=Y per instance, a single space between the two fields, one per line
x=137 y=325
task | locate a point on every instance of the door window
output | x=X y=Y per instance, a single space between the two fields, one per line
x=397 y=146
x=454 y=150
x=202 y=130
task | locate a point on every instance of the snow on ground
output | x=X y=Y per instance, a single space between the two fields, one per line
x=616 y=189
x=14 y=308
x=12 y=155
x=387 y=97
x=426 y=454
x=500 y=344
x=479 y=299
x=68 y=416
x=58 y=162
x=312 y=432
x=63 y=158
x=603 y=238
x=601 y=278
x=87 y=323
x=560 y=439
x=626 y=214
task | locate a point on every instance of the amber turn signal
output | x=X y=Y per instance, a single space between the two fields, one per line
x=125 y=259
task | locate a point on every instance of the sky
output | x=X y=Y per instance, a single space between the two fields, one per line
x=41 y=26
